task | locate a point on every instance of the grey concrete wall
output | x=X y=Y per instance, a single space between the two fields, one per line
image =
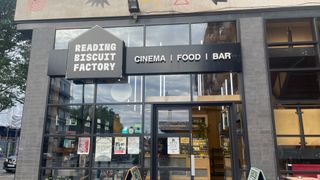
x=35 y=105
x=257 y=97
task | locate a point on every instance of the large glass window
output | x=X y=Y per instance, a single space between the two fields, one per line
x=286 y=31
x=161 y=88
x=63 y=91
x=170 y=121
x=295 y=85
x=63 y=37
x=291 y=44
x=118 y=119
x=128 y=90
x=69 y=119
x=132 y=36
x=294 y=77
x=287 y=126
x=293 y=59
x=215 y=32
x=166 y=35
x=298 y=139
x=209 y=87
x=99 y=129
x=64 y=152
x=113 y=119
x=115 y=158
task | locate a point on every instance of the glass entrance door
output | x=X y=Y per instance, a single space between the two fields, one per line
x=211 y=143
x=173 y=141
x=192 y=142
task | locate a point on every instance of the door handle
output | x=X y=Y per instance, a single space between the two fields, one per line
x=193 y=167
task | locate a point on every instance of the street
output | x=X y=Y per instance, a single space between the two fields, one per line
x=3 y=174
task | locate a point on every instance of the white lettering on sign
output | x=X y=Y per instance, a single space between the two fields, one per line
x=94 y=67
x=178 y=57
x=94 y=57
x=221 y=56
x=95 y=47
x=150 y=59
x=188 y=57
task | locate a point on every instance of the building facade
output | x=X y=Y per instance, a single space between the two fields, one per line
x=177 y=89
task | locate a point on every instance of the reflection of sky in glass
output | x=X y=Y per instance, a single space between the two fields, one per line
x=171 y=116
x=64 y=36
x=147 y=118
x=164 y=115
x=172 y=85
x=132 y=36
x=105 y=94
x=76 y=93
x=197 y=33
x=88 y=93
x=177 y=85
x=129 y=114
x=73 y=93
x=212 y=83
x=218 y=32
x=167 y=35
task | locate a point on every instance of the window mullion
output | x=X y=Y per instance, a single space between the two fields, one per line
x=316 y=35
x=299 y=113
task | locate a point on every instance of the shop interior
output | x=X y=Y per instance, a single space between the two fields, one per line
x=211 y=143
x=208 y=153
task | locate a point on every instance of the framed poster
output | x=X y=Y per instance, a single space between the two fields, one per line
x=103 y=149
x=133 y=145
x=83 y=145
x=173 y=145
x=120 y=145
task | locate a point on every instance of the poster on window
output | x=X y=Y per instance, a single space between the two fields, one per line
x=103 y=149
x=83 y=145
x=120 y=145
x=133 y=145
x=173 y=145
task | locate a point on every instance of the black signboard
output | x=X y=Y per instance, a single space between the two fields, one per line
x=256 y=174
x=133 y=174
x=183 y=59
x=95 y=54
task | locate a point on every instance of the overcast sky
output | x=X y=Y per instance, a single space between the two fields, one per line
x=11 y=117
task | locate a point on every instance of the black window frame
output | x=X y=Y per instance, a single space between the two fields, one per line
x=92 y=134
x=297 y=104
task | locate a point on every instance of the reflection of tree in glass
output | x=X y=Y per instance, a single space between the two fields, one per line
x=83 y=116
x=219 y=33
x=109 y=120
x=98 y=2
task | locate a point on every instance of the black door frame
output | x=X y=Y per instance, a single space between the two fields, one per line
x=154 y=133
